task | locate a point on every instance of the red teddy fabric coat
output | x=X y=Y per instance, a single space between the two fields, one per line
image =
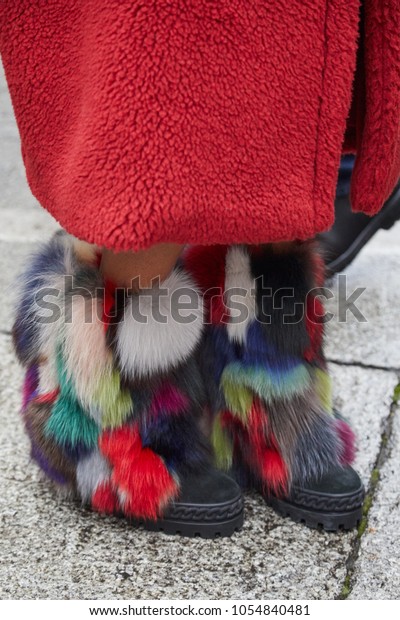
x=202 y=121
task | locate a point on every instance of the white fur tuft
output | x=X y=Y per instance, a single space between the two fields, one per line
x=87 y=357
x=48 y=381
x=90 y=472
x=238 y=277
x=85 y=252
x=152 y=346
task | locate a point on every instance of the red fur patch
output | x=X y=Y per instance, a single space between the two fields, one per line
x=258 y=424
x=255 y=250
x=99 y=255
x=259 y=448
x=48 y=397
x=232 y=424
x=318 y=268
x=105 y=499
x=141 y=477
x=273 y=471
x=207 y=266
x=263 y=451
x=109 y=302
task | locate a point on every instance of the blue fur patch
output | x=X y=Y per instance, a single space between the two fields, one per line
x=260 y=352
x=178 y=441
x=48 y=261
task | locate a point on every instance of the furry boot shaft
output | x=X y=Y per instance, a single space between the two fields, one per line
x=112 y=396
x=269 y=389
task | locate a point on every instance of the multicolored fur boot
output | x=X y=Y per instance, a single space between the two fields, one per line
x=270 y=392
x=113 y=398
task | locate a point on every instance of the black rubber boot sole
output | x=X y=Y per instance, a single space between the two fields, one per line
x=332 y=503
x=327 y=521
x=385 y=219
x=210 y=505
x=205 y=521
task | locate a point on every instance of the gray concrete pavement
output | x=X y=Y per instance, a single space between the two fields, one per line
x=378 y=570
x=51 y=548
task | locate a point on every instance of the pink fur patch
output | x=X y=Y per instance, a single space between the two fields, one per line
x=348 y=441
x=31 y=383
x=87 y=356
x=168 y=399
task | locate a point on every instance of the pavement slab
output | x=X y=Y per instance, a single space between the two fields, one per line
x=13 y=256
x=54 y=548
x=377 y=571
x=376 y=341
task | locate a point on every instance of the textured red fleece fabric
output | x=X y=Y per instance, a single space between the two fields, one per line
x=377 y=167
x=200 y=121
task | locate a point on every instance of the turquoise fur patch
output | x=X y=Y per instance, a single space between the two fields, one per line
x=268 y=386
x=68 y=422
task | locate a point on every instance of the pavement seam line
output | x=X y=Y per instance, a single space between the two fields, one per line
x=382 y=456
x=364 y=366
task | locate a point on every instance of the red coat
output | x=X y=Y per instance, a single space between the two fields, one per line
x=202 y=121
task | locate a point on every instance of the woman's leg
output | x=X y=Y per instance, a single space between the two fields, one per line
x=137 y=270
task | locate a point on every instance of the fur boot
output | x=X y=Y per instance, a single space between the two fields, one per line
x=269 y=388
x=113 y=395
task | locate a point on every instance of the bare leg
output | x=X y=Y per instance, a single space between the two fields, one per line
x=141 y=267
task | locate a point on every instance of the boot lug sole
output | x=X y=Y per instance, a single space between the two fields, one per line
x=327 y=521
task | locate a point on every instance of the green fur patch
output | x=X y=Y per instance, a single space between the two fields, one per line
x=114 y=403
x=268 y=386
x=222 y=444
x=323 y=388
x=238 y=398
